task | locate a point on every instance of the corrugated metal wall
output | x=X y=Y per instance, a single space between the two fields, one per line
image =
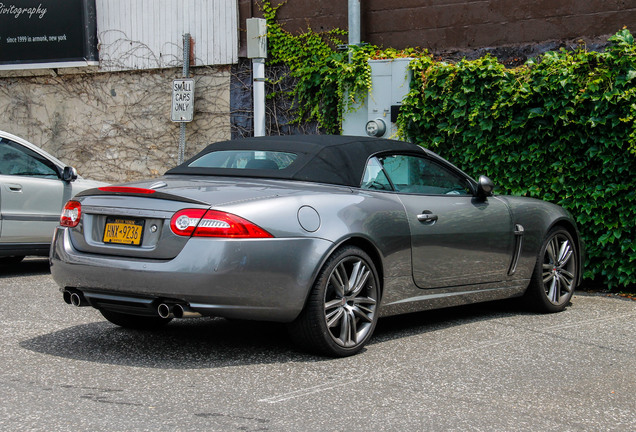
x=148 y=34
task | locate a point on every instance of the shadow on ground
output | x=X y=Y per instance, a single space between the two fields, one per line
x=28 y=267
x=217 y=342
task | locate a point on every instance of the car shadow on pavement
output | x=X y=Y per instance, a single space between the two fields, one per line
x=418 y=323
x=201 y=343
x=28 y=267
x=183 y=344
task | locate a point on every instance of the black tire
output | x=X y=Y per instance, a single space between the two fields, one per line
x=342 y=309
x=555 y=273
x=134 y=321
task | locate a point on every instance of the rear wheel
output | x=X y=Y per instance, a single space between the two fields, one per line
x=134 y=321
x=555 y=273
x=342 y=309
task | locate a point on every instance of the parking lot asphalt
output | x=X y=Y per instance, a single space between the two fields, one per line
x=489 y=367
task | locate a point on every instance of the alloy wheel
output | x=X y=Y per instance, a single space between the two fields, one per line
x=559 y=269
x=350 y=302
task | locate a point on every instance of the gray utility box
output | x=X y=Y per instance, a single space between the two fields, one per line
x=377 y=113
x=256 y=38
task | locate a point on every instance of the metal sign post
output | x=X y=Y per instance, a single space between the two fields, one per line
x=182 y=111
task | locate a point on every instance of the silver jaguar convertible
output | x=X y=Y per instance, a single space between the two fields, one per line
x=324 y=233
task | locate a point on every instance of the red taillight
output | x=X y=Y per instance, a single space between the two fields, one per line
x=185 y=221
x=71 y=214
x=126 y=189
x=199 y=223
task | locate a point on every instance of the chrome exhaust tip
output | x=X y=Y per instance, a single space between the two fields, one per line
x=78 y=299
x=66 y=295
x=184 y=311
x=165 y=311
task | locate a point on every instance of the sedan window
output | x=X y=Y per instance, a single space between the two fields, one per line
x=417 y=175
x=18 y=160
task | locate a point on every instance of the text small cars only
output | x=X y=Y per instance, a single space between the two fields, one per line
x=34 y=186
x=325 y=233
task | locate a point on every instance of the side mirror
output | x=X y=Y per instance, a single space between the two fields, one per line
x=69 y=174
x=485 y=187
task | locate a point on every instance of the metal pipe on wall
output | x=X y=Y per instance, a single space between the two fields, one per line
x=354 y=22
x=258 y=73
x=257 y=51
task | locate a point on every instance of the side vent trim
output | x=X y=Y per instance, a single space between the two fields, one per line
x=519 y=231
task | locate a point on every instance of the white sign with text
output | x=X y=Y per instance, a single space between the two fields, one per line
x=182 y=100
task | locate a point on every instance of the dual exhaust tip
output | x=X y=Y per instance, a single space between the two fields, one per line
x=74 y=298
x=165 y=310
x=177 y=310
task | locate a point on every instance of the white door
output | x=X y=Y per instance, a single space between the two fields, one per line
x=31 y=195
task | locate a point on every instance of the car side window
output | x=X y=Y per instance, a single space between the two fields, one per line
x=18 y=160
x=418 y=175
x=374 y=176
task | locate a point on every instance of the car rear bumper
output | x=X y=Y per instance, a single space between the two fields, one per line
x=261 y=279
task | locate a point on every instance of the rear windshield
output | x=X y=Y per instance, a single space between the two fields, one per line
x=245 y=159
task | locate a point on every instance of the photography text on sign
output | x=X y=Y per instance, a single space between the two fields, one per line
x=17 y=11
x=182 y=100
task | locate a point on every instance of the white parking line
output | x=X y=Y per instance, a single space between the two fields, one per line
x=307 y=391
x=328 y=386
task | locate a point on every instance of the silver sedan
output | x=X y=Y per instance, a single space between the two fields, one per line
x=34 y=186
x=324 y=233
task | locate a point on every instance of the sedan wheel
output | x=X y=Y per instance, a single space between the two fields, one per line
x=342 y=309
x=555 y=274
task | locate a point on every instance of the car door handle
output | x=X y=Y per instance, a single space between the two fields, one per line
x=14 y=187
x=427 y=217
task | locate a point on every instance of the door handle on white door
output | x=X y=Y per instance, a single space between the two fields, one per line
x=427 y=217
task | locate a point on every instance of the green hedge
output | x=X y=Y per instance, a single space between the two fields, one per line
x=561 y=129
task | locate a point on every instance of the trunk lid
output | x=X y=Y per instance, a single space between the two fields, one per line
x=146 y=216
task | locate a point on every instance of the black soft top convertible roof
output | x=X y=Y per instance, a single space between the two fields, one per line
x=332 y=159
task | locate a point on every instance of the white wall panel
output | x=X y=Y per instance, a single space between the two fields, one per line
x=148 y=34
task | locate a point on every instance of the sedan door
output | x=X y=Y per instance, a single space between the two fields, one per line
x=31 y=195
x=457 y=239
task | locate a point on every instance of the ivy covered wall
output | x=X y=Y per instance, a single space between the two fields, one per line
x=560 y=129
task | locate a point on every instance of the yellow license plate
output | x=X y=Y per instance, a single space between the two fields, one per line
x=124 y=231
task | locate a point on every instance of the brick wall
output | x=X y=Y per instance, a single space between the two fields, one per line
x=458 y=24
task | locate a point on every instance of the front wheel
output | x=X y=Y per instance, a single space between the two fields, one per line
x=342 y=309
x=555 y=273
x=134 y=321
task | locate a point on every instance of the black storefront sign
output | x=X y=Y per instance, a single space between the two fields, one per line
x=47 y=33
